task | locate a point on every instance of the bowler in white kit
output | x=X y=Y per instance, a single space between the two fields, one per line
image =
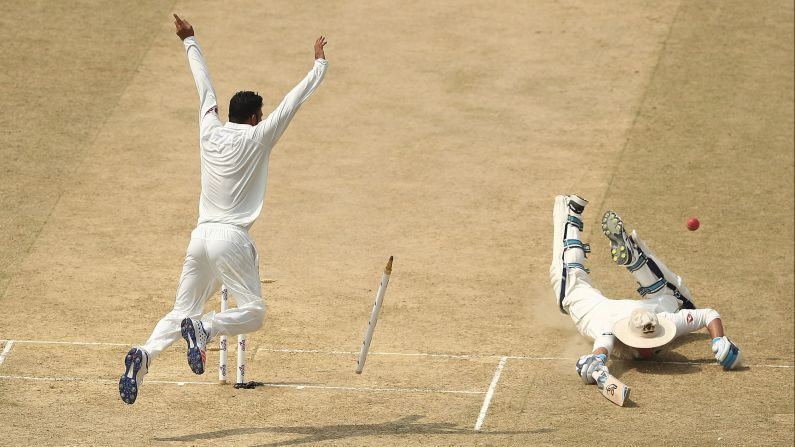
x=234 y=172
x=624 y=328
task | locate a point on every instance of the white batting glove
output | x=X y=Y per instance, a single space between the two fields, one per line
x=589 y=363
x=726 y=352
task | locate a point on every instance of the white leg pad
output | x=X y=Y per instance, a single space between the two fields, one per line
x=669 y=276
x=560 y=216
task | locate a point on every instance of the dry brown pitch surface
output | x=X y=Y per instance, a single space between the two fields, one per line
x=440 y=136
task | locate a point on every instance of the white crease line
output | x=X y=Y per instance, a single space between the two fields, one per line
x=83 y=379
x=423 y=354
x=407 y=354
x=393 y=390
x=490 y=393
x=521 y=357
x=54 y=379
x=304 y=351
x=718 y=364
x=651 y=362
x=6 y=350
x=483 y=356
x=768 y=366
x=78 y=343
x=271 y=385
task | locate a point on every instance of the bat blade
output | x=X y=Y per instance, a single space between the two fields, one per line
x=613 y=389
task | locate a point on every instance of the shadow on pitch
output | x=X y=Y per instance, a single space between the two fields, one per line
x=403 y=426
x=667 y=361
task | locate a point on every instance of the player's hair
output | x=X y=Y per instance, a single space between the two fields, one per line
x=243 y=105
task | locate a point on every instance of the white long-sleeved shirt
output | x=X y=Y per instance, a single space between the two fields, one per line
x=234 y=157
x=598 y=324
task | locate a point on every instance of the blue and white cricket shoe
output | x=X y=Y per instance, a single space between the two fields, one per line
x=194 y=334
x=136 y=365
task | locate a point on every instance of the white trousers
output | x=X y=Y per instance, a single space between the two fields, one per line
x=592 y=313
x=217 y=254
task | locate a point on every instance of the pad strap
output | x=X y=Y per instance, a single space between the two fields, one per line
x=576 y=243
x=574 y=220
x=652 y=288
x=686 y=303
x=576 y=265
x=642 y=259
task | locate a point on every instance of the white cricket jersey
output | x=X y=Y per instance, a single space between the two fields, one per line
x=597 y=323
x=234 y=157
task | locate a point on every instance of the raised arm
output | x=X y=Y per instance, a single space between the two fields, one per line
x=272 y=127
x=201 y=75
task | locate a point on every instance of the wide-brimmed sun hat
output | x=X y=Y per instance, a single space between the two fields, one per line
x=643 y=329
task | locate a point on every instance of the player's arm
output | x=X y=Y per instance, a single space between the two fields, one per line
x=726 y=352
x=208 y=107
x=596 y=360
x=272 y=127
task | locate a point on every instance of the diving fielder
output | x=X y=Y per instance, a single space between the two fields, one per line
x=625 y=328
x=234 y=171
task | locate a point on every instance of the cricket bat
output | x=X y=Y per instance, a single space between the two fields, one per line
x=612 y=388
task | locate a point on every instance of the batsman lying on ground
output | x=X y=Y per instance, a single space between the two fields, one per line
x=626 y=328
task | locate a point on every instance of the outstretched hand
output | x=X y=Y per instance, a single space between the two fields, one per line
x=726 y=352
x=184 y=29
x=319 y=44
x=588 y=364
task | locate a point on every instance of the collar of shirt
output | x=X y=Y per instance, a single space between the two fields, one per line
x=232 y=125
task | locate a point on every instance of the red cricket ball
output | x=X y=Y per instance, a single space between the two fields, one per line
x=693 y=224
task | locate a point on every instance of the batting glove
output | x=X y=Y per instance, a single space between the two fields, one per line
x=726 y=352
x=589 y=363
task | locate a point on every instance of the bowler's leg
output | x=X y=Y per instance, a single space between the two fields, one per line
x=238 y=269
x=197 y=283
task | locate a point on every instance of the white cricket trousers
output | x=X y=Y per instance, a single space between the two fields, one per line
x=593 y=313
x=217 y=254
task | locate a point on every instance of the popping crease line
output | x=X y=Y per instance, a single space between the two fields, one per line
x=395 y=390
x=489 y=356
x=403 y=354
x=411 y=354
x=407 y=354
x=77 y=343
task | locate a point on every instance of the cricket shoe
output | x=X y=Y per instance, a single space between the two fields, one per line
x=136 y=365
x=622 y=248
x=194 y=333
